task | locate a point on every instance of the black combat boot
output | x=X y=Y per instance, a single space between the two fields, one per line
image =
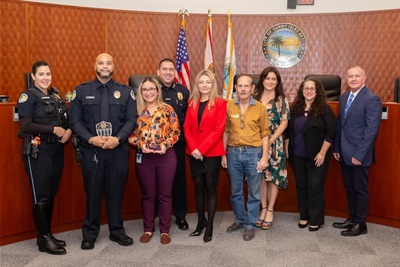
x=45 y=242
x=59 y=242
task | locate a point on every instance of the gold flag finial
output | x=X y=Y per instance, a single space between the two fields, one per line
x=209 y=13
x=183 y=12
x=229 y=15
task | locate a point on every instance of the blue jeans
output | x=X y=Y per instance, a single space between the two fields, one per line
x=242 y=162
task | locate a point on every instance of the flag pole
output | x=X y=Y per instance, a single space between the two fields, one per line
x=182 y=74
x=183 y=12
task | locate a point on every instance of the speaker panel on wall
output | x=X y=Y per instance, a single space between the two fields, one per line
x=291 y=4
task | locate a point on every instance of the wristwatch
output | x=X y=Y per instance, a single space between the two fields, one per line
x=119 y=139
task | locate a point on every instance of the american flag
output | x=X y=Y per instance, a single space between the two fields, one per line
x=182 y=59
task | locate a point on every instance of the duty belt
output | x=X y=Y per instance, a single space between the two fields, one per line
x=49 y=138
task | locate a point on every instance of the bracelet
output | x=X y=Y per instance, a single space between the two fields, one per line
x=322 y=154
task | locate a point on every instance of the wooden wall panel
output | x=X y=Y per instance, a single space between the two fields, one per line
x=13 y=48
x=71 y=37
x=15 y=192
x=385 y=175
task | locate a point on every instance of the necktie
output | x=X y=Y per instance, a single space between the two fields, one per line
x=351 y=98
x=104 y=106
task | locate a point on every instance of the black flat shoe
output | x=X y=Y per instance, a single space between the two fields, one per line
x=313 y=228
x=300 y=225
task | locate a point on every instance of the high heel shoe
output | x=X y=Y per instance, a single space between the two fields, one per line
x=267 y=225
x=201 y=224
x=208 y=234
x=260 y=221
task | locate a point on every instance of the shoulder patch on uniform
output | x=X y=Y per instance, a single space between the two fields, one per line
x=73 y=95
x=133 y=95
x=22 y=98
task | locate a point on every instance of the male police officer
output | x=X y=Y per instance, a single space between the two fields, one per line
x=103 y=114
x=176 y=95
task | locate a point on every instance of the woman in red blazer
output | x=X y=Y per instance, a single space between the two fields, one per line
x=203 y=128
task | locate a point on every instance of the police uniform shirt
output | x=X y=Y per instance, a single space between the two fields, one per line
x=29 y=106
x=177 y=96
x=85 y=109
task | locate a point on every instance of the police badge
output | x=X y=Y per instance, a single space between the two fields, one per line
x=117 y=94
x=179 y=95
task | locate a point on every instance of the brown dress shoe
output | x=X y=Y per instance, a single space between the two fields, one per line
x=165 y=239
x=145 y=238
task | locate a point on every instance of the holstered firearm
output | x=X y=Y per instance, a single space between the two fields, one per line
x=30 y=146
x=26 y=145
x=77 y=145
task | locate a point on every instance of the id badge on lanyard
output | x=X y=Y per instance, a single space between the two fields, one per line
x=138 y=157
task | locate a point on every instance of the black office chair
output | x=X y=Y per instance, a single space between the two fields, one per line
x=29 y=83
x=331 y=83
x=135 y=80
x=397 y=90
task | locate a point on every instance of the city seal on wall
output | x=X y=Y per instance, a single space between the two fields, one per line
x=284 y=45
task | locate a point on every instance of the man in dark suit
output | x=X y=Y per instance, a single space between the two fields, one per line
x=359 y=118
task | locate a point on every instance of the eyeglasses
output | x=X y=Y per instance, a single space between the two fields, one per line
x=147 y=90
x=311 y=89
x=242 y=121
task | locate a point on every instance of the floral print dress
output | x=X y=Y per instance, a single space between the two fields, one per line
x=276 y=172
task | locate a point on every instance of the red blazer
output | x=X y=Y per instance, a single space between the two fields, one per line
x=207 y=137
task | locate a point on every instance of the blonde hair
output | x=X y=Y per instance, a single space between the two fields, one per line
x=195 y=92
x=140 y=102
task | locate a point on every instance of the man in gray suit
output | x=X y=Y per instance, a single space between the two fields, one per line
x=359 y=118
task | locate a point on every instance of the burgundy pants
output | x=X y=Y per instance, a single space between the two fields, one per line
x=156 y=176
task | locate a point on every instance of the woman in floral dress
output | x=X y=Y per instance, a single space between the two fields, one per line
x=269 y=91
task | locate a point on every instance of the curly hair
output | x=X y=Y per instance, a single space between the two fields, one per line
x=318 y=105
x=258 y=90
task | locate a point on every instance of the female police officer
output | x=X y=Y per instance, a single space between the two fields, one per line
x=44 y=127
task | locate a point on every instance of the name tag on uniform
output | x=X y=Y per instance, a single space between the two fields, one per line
x=90 y=97
x=45 y=97
x=235 y=116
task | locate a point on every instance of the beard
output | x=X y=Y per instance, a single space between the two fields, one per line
x=104 y=76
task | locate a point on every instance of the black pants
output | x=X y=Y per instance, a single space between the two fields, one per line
x=310 y=183
x=107 y=177
x=179 y=192
x=355 y=180
x=45 y=171
x=205 y=174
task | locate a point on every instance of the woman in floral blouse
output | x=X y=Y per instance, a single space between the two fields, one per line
x=157 y=131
